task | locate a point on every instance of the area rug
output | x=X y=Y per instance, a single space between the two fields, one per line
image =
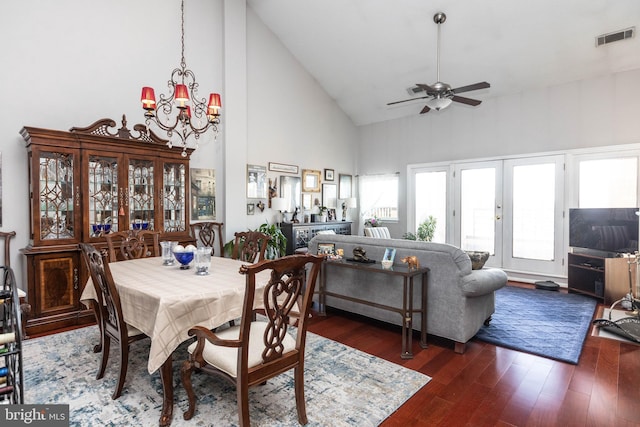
x=615 y=315
x=343 y=386
x=545 y=323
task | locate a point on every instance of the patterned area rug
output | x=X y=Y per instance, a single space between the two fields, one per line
x=549 y=324
x=343 y=386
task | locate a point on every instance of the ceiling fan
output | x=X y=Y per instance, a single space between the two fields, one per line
x=440 y=95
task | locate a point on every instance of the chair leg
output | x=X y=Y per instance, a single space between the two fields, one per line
x=185 y=371
x=298 y=375
x=242 y=389
x=105 y=343
x=124 y=364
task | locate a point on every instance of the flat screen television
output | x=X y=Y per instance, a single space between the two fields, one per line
x=604 y=229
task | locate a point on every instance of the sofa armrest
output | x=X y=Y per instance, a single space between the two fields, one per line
x=482 y=282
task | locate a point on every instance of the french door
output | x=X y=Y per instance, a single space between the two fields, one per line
x=511 y=208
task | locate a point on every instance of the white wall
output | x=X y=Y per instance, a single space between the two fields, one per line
x=590 y=113
x=71 y=62
x=292 y=120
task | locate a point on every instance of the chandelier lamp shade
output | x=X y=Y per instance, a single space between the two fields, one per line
x=182 y=112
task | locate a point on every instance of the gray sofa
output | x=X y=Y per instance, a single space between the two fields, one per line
x=460 y=299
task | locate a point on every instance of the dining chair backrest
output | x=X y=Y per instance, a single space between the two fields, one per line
x=205 y=235
x=7 y=236
x=257 y=350
x=109 y=314
x=132 y=244
x=249 y=245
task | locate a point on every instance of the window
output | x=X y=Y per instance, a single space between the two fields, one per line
x=608 y=183
x=379 y=196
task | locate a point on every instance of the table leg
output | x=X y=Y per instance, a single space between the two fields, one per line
x=406 y=321
x=423 y=314
x=166 y=375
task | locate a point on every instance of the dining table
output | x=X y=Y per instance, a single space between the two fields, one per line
x=165 y=301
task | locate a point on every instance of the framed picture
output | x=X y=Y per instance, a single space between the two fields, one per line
x=279 y=167
x=306 y=201
x=326 y=248
x=328 y=174
x=344 y=181
x=389 y=254
x=203 y=194
x=330 y=196
x=251 y=208
x=290 y=191
x=310 y=180
x=256 y=182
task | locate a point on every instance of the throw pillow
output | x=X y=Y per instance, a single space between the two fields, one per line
x=478 y=258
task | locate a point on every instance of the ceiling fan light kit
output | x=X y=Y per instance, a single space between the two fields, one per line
x=440 y=95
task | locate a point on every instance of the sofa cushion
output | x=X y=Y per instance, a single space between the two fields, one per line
x=377 y=232
x=478 y=258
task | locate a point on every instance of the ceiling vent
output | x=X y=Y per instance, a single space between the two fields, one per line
x=627 y=33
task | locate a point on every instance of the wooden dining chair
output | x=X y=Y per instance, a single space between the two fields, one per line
x=257 y=350
x=109 y=313
x=132 y=244
x=205 y=235
x=249 y=245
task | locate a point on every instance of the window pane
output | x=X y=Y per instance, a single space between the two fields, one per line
x=478 y=195
x=533 y=211
x=608 y=183
x=431 y=199
x=379 y=196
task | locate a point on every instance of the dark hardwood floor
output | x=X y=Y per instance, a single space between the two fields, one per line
x=494 y=386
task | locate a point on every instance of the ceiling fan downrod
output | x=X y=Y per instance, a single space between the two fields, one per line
x=438 y=18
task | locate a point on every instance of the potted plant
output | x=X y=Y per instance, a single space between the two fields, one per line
x=426 y=229
x=276 y=248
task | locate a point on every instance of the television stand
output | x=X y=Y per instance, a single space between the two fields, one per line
x=604 y=278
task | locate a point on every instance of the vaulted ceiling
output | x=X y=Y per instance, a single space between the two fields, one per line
x=366 y=53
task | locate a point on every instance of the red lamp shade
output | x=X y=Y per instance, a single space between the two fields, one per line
x=213 y=109
x=182 y=95
x=148 y=98
x=188 y=110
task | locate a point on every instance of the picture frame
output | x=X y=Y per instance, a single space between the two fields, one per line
x=306 y=201
x=328 y=174
x=326 y=248
x=389 y=254
x=256 y=182
x=290 y=191
x=345 y=185
x=251 y=208
x=203 y=194
x=311 y=180
x=330 y=196
x=281 y=167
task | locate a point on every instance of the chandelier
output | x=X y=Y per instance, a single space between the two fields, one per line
x=182 y=113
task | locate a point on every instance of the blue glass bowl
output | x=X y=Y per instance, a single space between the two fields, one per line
x=184 y=258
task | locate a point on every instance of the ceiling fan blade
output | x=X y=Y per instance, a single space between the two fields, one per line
x=467 y=101
x=426 y=88
x=407 y=100
x=426 y=109
x=476 y=86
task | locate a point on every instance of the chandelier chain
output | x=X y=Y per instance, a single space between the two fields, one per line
x=183 y=63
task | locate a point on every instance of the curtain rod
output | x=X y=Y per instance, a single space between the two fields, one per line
x=379 y=174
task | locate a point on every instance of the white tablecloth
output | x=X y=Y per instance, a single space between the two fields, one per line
x=165 y=302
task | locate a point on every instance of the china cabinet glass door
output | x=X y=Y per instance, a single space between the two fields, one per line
x=140 y=194
x=173 y=200
x=58 y=196
x=103 y=195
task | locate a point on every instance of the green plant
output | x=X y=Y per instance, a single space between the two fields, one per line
x=409 y=236
x=277 y=246
x=426 y=229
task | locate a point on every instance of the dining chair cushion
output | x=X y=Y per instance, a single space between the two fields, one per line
x=132 y=331
x=226 y=358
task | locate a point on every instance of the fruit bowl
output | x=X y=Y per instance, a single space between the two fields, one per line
x=184 y=258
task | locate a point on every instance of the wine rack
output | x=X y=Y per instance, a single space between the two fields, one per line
x=11 y=384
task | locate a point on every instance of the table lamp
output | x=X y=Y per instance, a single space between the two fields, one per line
x=347 y=204
x=279 y=204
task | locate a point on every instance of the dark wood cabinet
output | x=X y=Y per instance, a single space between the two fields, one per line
x=84 y=184
x=606 y=279
x=299 y=234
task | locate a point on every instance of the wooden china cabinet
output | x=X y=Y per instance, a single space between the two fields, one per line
x=84 y=184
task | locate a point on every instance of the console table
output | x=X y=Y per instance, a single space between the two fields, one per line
x=299 y=234
x=406 y=310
